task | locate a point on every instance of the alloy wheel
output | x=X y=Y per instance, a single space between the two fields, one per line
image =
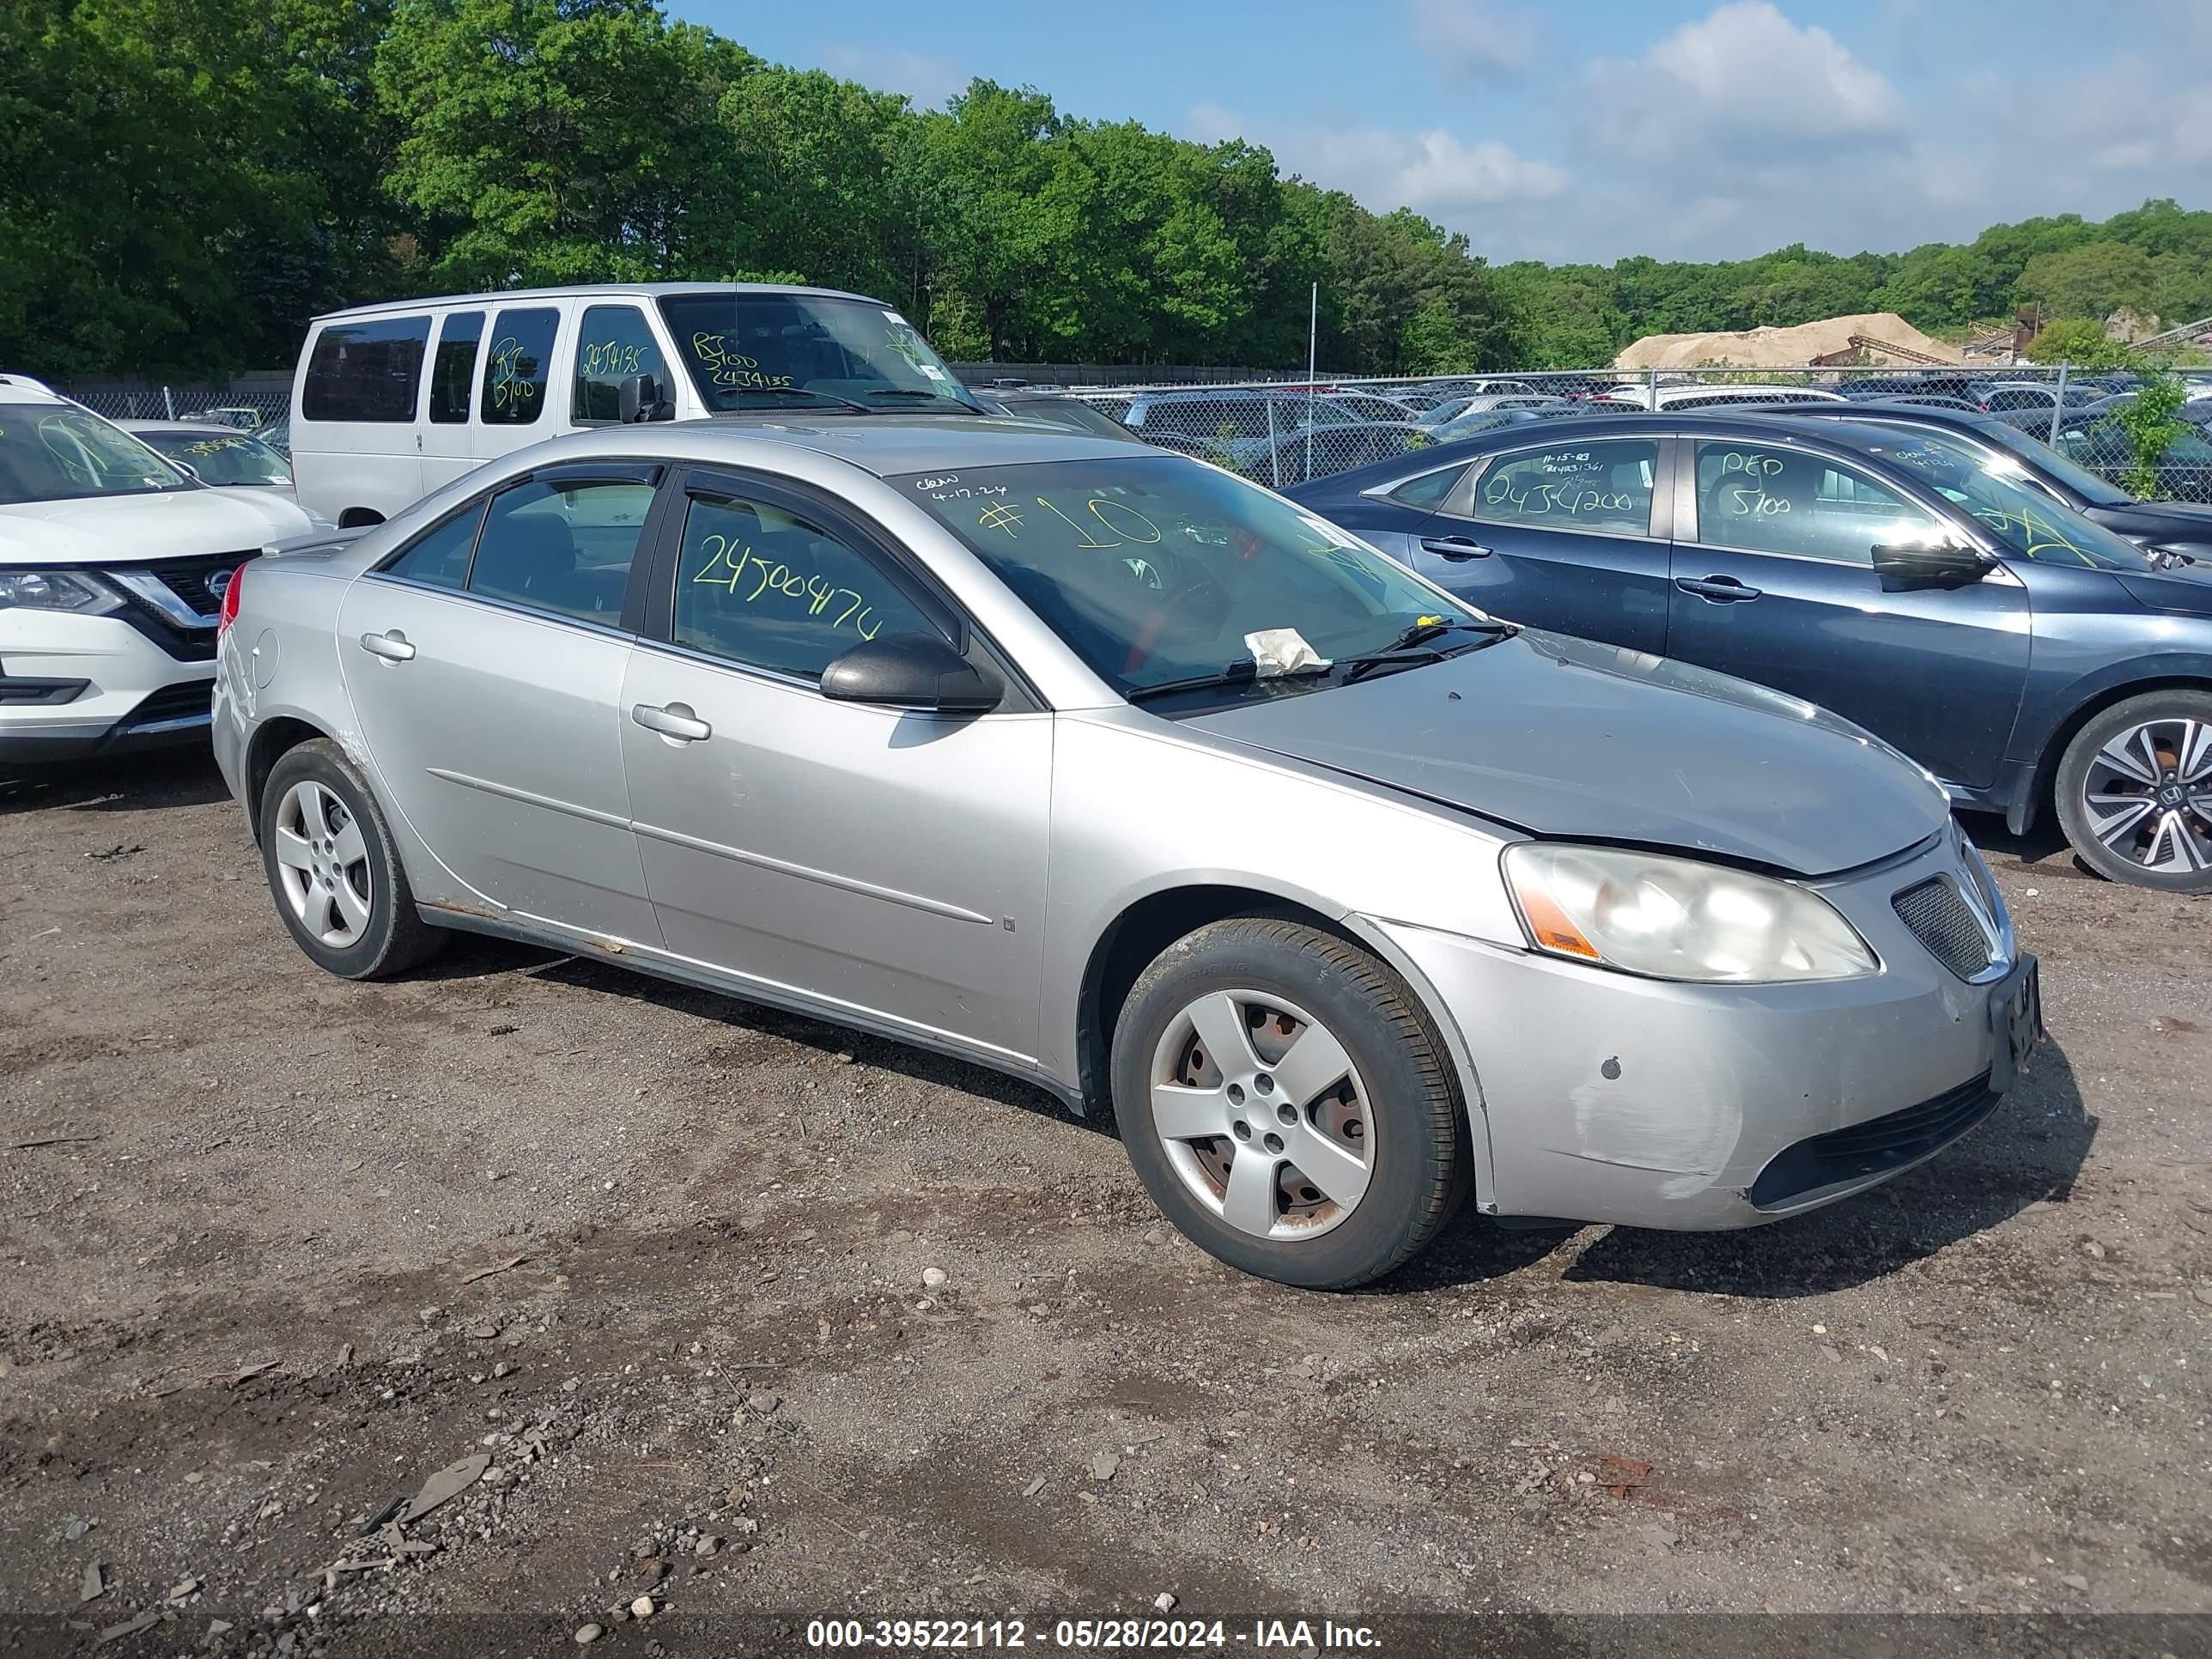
x=2147 y=796
x=1262 y=1114
x=323 y=861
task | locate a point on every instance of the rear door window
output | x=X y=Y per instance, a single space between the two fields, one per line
x=515 y=373
x=366 y=371
x=453 y=371
x=1603 y=485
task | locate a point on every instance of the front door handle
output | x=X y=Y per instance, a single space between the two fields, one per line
x=676 y=720
x=1717 y=590
x=1456 y=548
x=390 y=645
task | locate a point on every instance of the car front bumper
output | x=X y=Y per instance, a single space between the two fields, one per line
x=73 y=687
x=1606 y=1098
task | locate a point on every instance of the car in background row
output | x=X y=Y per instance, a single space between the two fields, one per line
x=113 y=563
x=1109 y=771
x=221 y=456
x=390 y=401
x=1699 y=394
x=2179 y=528
x=2026 y=655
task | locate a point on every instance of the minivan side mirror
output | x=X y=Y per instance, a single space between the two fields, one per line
x=1906 y=566
x=911 y=670
x=638 y=398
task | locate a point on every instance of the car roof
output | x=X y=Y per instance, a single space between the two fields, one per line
x=1540 y=433
x=588 y=290
x=213 y=428
x=881 y=445
x=1886 y=410
x=22 y=389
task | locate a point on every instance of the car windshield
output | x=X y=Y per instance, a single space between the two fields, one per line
x=50 y=452
x=2094 y=488
x=2025 y=521
x=1157 y=568
x=223 y=458
x=749 y=350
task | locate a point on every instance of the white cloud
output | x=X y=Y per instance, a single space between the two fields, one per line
x=1473 y=40
x=1745 y=75
x=929 y=81
x=1433 y=172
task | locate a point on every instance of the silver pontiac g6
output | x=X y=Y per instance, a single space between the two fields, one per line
x=1104 y=768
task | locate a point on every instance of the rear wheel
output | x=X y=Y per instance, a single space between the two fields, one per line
x=2134 y=791
x=333 y=870
x=1288 y=1104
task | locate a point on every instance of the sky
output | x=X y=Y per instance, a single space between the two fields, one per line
x=1596 y=129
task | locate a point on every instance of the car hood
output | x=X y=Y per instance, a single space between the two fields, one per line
x=2186 y=588
x=1566 y=738
x=2157 y=522
x=140 y=529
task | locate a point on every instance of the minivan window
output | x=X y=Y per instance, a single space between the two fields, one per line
x=615 y=343
x=514 y=373
x=366 y=371
x=454 y=371
x=759 y=349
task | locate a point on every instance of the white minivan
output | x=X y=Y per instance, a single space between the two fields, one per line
x=391 y=402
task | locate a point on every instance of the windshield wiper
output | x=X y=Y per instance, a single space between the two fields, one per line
x=802 y=391
x=1235 y=673
x=923 y=391
x=1413 y=646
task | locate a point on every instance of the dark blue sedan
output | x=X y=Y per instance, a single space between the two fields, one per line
x=2026 y=655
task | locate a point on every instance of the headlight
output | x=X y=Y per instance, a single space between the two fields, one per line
x=57 y=590
x=1678 y=919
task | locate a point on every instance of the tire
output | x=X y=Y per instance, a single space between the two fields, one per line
x=1388 y=1135
x=333 y=870
x=2134 y=791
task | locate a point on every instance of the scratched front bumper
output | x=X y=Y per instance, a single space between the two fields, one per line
x=1609 y=1098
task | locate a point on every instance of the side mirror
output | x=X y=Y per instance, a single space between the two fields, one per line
x=1906 y=568
x=638 y=398
x=911 y=670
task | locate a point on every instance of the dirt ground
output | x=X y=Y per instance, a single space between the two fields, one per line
x=276 y=1248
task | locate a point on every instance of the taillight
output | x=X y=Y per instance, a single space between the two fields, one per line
x=229 y=614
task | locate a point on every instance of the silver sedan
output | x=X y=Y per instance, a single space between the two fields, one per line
x=1105 y=769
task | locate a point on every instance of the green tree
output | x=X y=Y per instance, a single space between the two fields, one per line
x=561 y=141
x=2092 y=280
x=2078 y=341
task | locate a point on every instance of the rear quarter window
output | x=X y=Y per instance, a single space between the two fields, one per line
x=366 y=371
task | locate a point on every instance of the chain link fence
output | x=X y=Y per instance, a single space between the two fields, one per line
x=1284 y=432
x=249 y=402
x=1281 y=434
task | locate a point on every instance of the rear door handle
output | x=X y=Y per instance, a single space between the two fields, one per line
x=1454 y=547
x=390 y=645
x=676 y=720
x=1717 y=590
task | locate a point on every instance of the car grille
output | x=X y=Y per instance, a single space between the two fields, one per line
x=188 y=579
x=1872 y=1148
x=185 y=700
x=1941 y=919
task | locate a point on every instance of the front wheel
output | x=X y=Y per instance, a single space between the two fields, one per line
x=2134 y=791
x=333 y=870
x=1288 y=1104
